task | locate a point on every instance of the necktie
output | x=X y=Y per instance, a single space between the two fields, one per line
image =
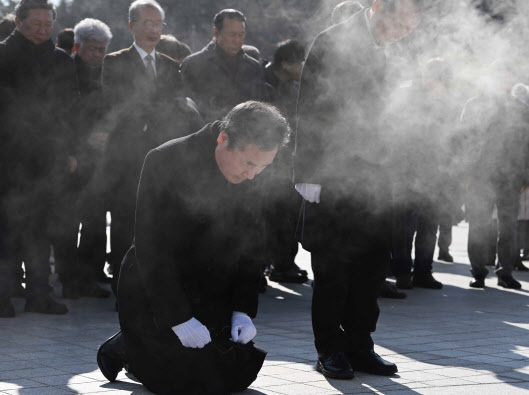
x=150 y=67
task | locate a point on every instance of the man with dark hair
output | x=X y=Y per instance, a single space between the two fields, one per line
x=145 y=103
x=7 y=25
x=37 y=85
x=174 y=48
x=189 y=283
x=65 y=40
x=340 y=154
x=221 y=75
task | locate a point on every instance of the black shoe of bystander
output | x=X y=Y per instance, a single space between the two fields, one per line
x=44 y=304
x=508 y=281
x=389 y=291
x=369 y=361
x=404 y=281
x=334 y=365
x=477 y=283
x=426 y=280
x=445 y=256
x=518 y=265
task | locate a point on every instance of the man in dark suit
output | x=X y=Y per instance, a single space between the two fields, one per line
x=37 y=85
x=221 y=75
x=339 y=152
x=190 y=280
x=141 y=87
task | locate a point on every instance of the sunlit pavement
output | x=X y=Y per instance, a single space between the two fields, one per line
x=451 y=341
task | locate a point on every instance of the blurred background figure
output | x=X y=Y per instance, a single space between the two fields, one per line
x=169 y=45
x=65 y=40
x=7 y=25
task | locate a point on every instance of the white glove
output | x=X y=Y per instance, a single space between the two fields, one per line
x=310 y=192
x=242 y=328
x=192 y=333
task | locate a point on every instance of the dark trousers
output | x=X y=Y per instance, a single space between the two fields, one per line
x=483 y=238
x=445 y=232
x=523 y=236
x=344 y=302
x=419 y=219
x=121 y=237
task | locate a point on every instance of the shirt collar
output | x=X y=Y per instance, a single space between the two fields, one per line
x=143 y=54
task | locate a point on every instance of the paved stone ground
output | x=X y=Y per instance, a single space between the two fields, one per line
x=453 y=341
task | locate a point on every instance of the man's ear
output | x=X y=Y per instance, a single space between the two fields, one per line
x=223 y=138
x=130 y=26
x=17 y=22
x=215 y=33
x=75 y=48
x=376 y=5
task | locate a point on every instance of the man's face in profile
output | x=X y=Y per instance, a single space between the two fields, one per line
x=37 y=26
x=239 y=165
x=392 y=25
x=231 y=37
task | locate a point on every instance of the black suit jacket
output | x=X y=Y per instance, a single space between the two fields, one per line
x=195 y=241
x=134 y=102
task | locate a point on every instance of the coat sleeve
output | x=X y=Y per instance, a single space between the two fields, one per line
x=159 y=232
x=314 y=111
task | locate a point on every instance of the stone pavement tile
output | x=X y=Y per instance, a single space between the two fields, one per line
x=297 y=376
x=59 y=362
x=268 y=381
x=16 y=365
x=305 y=367
x=485 y=389
x=449 y=382
x=38 y=372
x=485 y=359
x=100 y=387
x=414 y=366
x=420 y=376
x=515 y=375
x=275 y=370
x=454 y=372
x=63 y=379
x=319 y=387
x=41 y=391
x=80 y=369
x=36 y=355
x=19 y=383
x=490 y=379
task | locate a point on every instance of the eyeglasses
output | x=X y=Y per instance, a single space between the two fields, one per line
x=153 y=25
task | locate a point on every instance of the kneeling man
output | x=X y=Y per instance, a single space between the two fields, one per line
x=188 y=286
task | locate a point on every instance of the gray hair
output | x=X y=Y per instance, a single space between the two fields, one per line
x=91 y=29
x=134 y=9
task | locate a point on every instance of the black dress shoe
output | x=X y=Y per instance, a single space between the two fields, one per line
x=477 y=283
x=334 y=365
x=6 y=308
x=520 y=266
x=111 y=356
x=445 y=256
x=370 y=362
x=508 y=281
x=44 y=304
x=426 y=280
x=404 y=281
x=389 y=291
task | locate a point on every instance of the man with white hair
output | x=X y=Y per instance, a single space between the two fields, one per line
x=91 y=38
x=141 y=89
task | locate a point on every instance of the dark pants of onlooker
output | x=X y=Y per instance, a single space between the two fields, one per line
x=481 y=251
x=344 y=302
x=523 y=236
x=121 y=237
x=445 y=233
x=419 y=219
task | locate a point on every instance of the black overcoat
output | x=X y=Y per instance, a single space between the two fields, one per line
x=194 y=255
x=215 y=87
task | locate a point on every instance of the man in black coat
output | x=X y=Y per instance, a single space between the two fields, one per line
x=143 y=91
x=340 y=152
x=78 y=275
x=221 y=75
x=37 y=84
x=190 y=280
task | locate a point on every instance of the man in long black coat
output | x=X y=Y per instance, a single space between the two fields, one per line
x=190 y=280
x=37 y=86
x=145 y=110
x=339 y=152
x=221 y=75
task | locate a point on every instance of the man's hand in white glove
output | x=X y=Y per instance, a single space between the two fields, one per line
x=192 y=333
x=242 y=328
x=310 y=192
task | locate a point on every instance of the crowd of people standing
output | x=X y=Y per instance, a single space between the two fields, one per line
x=364 y=175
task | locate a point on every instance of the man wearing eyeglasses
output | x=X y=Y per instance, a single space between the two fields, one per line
x=141 y=87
